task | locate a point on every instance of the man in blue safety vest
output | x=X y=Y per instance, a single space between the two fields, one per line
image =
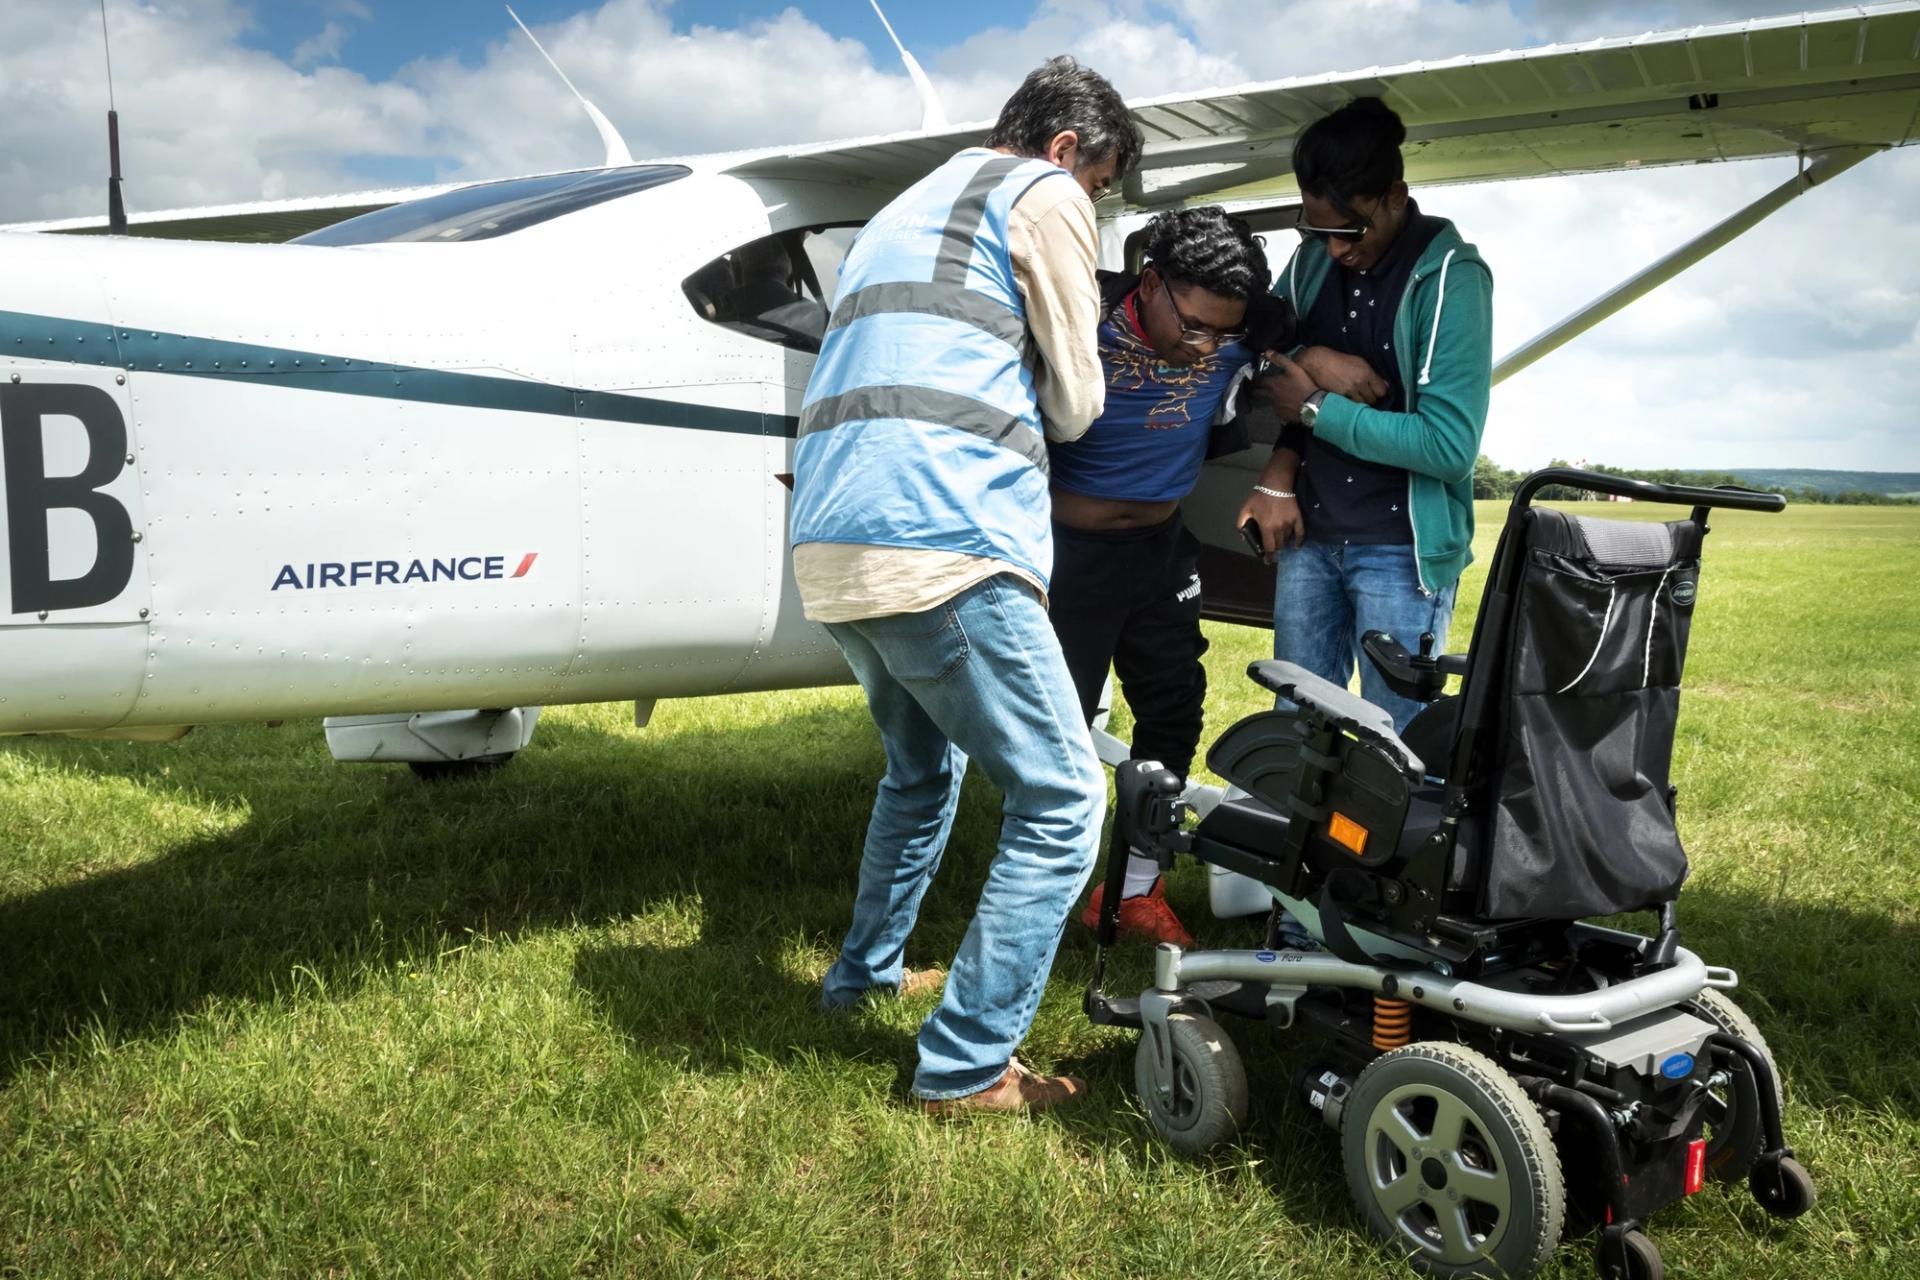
x=962 y=341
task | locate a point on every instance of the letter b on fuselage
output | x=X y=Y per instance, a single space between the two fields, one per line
x=32 y=495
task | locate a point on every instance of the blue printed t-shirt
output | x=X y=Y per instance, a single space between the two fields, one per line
x=1149 y=443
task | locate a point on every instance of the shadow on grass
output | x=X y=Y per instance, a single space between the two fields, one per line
x=346 y=872
x=717 y=1006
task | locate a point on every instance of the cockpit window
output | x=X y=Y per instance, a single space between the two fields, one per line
x=492 y=208
x=779 y=288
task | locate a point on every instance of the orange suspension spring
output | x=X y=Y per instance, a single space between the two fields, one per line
x=1392 y=1023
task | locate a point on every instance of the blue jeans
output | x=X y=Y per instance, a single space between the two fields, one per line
x=1328 y=594
x=982 y=677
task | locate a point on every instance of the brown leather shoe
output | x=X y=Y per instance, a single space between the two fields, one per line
x=1020 y=1089
x=916 y=982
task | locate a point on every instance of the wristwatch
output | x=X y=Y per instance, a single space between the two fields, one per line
x=1310 y=408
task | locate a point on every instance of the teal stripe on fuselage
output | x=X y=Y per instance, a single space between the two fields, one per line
x=146 y=351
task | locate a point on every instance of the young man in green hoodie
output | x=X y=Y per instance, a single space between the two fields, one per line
x=1367 y=504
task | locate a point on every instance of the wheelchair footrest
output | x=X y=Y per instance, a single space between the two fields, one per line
x=1104 y=1010
x=1244 y=999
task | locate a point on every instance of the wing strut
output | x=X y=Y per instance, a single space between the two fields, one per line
x=933 y=116
x=617 y=154
x=1819 y=167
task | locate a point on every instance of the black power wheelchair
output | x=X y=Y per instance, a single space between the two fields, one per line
x=1494 y=1058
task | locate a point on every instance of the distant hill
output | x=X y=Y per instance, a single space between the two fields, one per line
x=1891 y=483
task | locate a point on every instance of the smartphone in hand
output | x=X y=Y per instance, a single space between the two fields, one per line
x=1255 y=542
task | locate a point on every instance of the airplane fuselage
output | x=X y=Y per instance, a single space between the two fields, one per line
x=255 y=481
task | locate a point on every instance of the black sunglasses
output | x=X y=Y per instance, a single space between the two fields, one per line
x=1320 y=235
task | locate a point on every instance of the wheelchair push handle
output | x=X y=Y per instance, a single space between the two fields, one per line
x=1683 y=495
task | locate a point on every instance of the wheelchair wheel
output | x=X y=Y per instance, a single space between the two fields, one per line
x=1733 y=1111
x=1452 y=1164
x=1642 y=1260
x=1210 y=1102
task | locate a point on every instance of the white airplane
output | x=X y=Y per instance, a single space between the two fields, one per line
x=518 y=444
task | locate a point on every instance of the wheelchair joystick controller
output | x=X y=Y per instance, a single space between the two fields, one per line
x=1421 y=676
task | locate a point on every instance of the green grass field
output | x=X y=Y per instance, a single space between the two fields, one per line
x=260 y=1014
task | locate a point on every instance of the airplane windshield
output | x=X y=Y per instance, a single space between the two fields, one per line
x=492 y=208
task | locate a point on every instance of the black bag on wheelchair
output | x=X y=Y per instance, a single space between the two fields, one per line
x=1582 y=818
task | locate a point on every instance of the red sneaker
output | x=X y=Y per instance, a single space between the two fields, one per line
x=1147 y=916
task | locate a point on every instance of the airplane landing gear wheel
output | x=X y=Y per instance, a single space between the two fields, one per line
x=1210 y=1096
x=452 y=770
x=1452 y=1163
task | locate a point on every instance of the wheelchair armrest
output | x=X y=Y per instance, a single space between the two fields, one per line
x=1347 y=711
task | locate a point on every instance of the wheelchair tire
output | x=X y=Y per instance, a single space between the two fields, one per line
x=1788 y=1196
x=1643 y=1260
x=1733 y=1140
x=1211 y=1101
x=1452 y=1164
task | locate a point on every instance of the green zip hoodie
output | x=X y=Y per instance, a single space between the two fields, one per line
x=1443 y=333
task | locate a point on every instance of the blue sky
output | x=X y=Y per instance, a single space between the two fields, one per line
x=381 y=36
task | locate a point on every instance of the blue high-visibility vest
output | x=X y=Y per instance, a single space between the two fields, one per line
x=920 y=426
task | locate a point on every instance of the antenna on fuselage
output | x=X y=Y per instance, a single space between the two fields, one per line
x=116 y=206
x=933 y=116
x=617 y=153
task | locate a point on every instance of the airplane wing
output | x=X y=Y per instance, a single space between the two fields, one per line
x=257 y=222
x=1768 y=87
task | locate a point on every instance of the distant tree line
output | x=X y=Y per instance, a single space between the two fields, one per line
x=1491 y=480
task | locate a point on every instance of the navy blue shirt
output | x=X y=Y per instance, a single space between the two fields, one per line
x=1344 y=498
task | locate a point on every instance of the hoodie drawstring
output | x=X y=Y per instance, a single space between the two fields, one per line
x=1433 y=338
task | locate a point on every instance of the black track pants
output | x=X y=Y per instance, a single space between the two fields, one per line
x=1131 y=599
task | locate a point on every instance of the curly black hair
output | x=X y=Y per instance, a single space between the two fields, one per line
x=1355 y=151
x=1209 y=248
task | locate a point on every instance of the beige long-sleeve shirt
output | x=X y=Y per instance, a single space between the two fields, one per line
x=1054 y=246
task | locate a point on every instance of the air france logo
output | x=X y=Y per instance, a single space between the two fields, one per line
x=319 y=575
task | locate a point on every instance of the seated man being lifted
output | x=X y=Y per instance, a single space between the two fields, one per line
x=1174 y=343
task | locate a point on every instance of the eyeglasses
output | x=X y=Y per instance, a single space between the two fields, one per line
x=1102 y=191
x=1320 y=235
x=1192 y=332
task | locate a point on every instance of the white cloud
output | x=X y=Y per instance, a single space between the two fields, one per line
x=1796 y=345
x=322 y=46
x=203 y=119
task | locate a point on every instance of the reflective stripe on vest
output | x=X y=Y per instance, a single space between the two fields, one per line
x=952 y=302
x=924 y=404
x=956 y=240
